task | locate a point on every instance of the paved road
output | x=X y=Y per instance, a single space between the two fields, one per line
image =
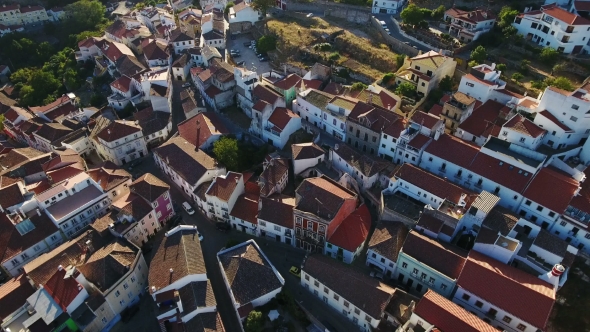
x=247 y=55
x=395 y=33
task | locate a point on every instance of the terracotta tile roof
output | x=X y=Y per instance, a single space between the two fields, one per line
x=10 y=196
x=524 y=126
x=429 y=221
x=281 y=117
x=276 y=212
x=158 y=90
x=334 y=88
x=63 y=289
x=269 y=178
x=65 y=158
x=288 y=82
x=500 y=220
x=199 y=128
x=13 y=243
x=196 y=294
x=396 y=128
x=202 y=189
x=474 y=16
x=129 y=65
x=478 y=80
x=582 y=5
x=260 y=92
x=435 y=185
x=178 y=36
x=442 y=257
x=368 y=294
x=122 y=84
x=582 y=200
x=52 y=131
x=561 y=186
x=109 y=176
x=181 y=252
x=118 y=129
x=499 y=172
x=483 y=118
x=14 y=112
x=448 y=316
x=361 y=162
x=388 y=239
x=59 y=101
x=313 y=84
x=563 y=15
x=331 y=196
x=152 y=121
x=419 y=141
x=353 y=230
x=149 y=187
x=556 y=121
x=508 y=288
x=212 y=91
x=181 y=62
x=185 y=159
x=136 y=208
x=427 y=120
x=221 y=70
x=223 y=187
x=453 y=149
x=436 y=110
x=9 y=7
x=375 y=118
x=205 y=322
x=551 y=243
x=6 y=181
x=249 y=273
x=246 y=208
x=65 y=172
x=60 y=111
x=156 y=51
x=13 y=294
x=303 y=151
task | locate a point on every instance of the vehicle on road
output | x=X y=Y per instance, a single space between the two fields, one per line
x=134 y=163
x=263 y=59
x=247 y=44
x=201 y=238
x=188 y=208
x=241 y=63
x=309 y=15
x=186 y=85
x=378 y=275
x=234 y=51
x=294 y=270
x=235 y=55
x=222 y=226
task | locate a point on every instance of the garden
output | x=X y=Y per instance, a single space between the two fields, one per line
x=280 y=314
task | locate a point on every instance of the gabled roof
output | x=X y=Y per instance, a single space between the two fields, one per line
x=507 y=288
x=475 y=16
x=388 y=238
x=269 y=178
x=260 y=92
x=483 y=119
x=52 y=131
x=524 y=126
x=185 y=159
x=353 y=230
x=181 y=62
x=152 y=121
x=15 y=112
x=178 y=36
x=10 y=196
x=448 y=316
x=13 y=294
x=322 y=197
x=287 y=82
x=122 y=84
x=199 y=128
x=430 y=58
x=109 y=175
x=59 y=101
x=196 y=294
x=136 y=208
x=563 y=15
x=556 y=121
x=368 y=294
x=281 y=117
x=249 y=273
x=552 y=180
x=63 y=288
x=149 y=187
x=223 y=187
x=12 y=242
x=303 y=151
x=205 y=322
x=375 y=118
x=427 y=120
x=276 y=212
x=118 y=129
x=362 y=162
x=246 y=208
x=179 y=251
x=156 y=51
x=453 y=149
x=442 y=257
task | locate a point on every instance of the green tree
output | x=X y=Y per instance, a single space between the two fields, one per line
x=509 y=31
x=506 y=16
x=406 y=89
x=387 y=78
x=86 y=14
x=411 y=15
x=266 y=44
x=426 y=13
x=472 y=63
x=549 y=56
x=263 y=5
x=254 y=322
x=479 y=54
x=517 y=76
x=40 y=87
x=501 y=67
x=399 y=60
x=446 y=84
x=97 y=100
x=228 y=6
x=423 y=24
x=560 y=82
x=438 y=13
x=358 y=86
x=226 y=151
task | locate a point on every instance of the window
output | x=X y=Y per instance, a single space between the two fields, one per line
x=368 y=319
x=277 y=228
x=117 y=293
x=465 y=297
x=573 y=118
x=315 y=292
x=507 y=319
x=443 y=286
x=431 y=281
x=122 y=302
x=357 y=311
x=587 y=236
x=130 y=295
x=317 y=284
x=125 y=286
x=37 y=248
x=528 y=202
x=522 y=140
x=551 y=214
x=307 y=277
x=104 y=320
x=132 y=279
x=355 y=320
x=576 y=107
x=521 y=327
x=539 y=208
x=298 y=221
x=336 y=297
x=562 y=224
x=478 y=304
x=344 y=312
x=405 y=265
x=492 y=312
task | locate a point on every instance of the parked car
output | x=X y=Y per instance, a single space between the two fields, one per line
x=294 y=270
x=263 y=59
x=247 y=44
x=234 y=51
x=309 y=15
x=186 y=85
x=201 y=238
x=378 y=275
x=134 y=163
x=252 y=42
x=222 y=226
x=188 y=208
x=235 y=55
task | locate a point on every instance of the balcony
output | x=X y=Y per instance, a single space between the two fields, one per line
x=130 y=151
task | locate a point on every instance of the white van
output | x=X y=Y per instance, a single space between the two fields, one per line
x=188 y=208
x=383 y=24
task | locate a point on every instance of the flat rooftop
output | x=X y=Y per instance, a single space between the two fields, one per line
x=74 y=202
x=502 y=147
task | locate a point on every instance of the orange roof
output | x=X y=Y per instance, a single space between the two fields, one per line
x=246 y=208
x=122 y=84
x=281 y=117
x=563 y=15
x=200 y=127
x=551 y=180
x=353 y=230
x=556 y=121
x=288 y=82
x=13 y=294
x=223 y=188
x=524 y=126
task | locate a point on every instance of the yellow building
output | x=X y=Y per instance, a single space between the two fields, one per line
x=426 y=70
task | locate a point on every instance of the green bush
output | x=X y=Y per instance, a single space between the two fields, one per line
x=501 y=67
x=387 y=78
x=334 y=56
x=266 y=44
x=399 y=60
x=358 y=86
x=406 y=89
x=517 y=76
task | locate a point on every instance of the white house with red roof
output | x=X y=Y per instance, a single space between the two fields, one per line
x=124 y=92
x=522 y=131
x=222 y=195
x=281 y=124
x=10 y=15
x=119 y=141
x=275 y=219
x=506 y=298
x=469 y=25
x=348 y=240
x=426 y=70
x=387 y=7
x=202 y=130
x=264 y=102
x=483 y=82
x=552 y=26
x=485 y=120
x=33 y=14
x=243 y=12
x=563 y=115
x=435 y=313
x=88 y=48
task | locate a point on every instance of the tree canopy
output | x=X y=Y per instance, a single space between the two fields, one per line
x=412 y=14
x=406 y=89
x=263 y=5
x=438 y=13
x=549 y=56
x=86 y=14
x=446 y=84
x=266 y=44
x=226 y=151
x=254 y=322
x=479 y=54
x=506 y=16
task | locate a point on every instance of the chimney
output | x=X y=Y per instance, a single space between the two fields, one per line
x=60 y=268
x=108 y=131
x=38 y=212
x=552 y=276
x=171 y=270
x=89 y=246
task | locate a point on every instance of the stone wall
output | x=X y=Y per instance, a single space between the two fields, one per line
x=396 y=45
x=350 y=13
x=240 y=27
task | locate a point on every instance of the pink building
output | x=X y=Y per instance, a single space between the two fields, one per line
x=157 y=193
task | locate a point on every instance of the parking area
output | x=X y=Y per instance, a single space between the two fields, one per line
x=247 y=55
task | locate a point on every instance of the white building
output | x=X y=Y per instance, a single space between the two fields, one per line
x=275 y=220
x=467 y=26
x=223 y=194
x=426 y=70
x=483 y=82
x=281 y=124
x=348 y=240
x=385 y=245
x=306 y=155
x=361 y=167
x=238 y=264
x=180 y=41
x=243 y=12
x=319 y=108
x=554 y=27
x=330 y=281
x=120 y=141
x=387 y=6
x=181 y=68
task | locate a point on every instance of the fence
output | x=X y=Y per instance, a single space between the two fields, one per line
x=395 y=44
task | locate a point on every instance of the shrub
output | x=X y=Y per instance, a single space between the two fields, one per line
x=334 y=56
x=406 y=89
x=399 y=60
x=560 y=82
x=387 y=78
x=517 y=76
x=549 y=56
x=266 y=44
x=479 y=54
x=358 y=86
x=501 y=67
